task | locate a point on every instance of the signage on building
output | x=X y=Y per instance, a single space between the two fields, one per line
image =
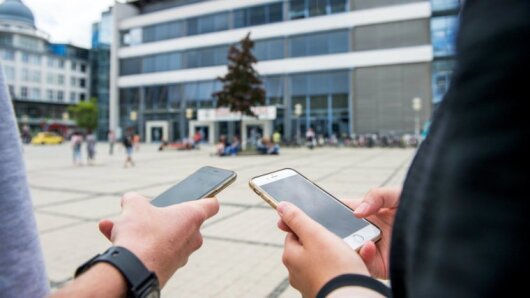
x=224 y=114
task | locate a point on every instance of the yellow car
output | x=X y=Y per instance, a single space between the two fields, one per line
x=47 y=138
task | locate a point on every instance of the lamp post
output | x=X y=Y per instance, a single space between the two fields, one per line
x=416 y=106
x=189 y=116
x=298 y=109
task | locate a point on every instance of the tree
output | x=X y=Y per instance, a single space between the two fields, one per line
x=85 y=114
x=242 y=86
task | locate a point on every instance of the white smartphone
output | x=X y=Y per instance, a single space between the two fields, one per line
x=291 y=186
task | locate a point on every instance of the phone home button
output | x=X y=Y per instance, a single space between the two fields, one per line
x=358 y=238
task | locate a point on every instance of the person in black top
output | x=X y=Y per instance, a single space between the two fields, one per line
x=459 y=227
x=128 y=144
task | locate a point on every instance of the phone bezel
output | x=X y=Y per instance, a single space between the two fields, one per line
x=368 y=233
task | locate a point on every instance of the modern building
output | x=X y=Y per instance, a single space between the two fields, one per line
x=100 y=70
x=341 y=67
x=43 y=78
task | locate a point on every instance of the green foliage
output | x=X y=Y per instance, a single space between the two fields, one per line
x=85 y=114
x=242 y=87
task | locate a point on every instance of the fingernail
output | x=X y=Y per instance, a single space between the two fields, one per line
x=361 y=209
x=282 y=207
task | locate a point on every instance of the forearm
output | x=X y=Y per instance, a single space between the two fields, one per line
x=347 y=292
x=102 y=280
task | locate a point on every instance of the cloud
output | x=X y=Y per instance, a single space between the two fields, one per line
x=68 y=21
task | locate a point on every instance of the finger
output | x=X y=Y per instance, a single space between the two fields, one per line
x=207 y=207
x=283 y=226
x=368 y=252
x=291 y=250
x=132 y=199
x=105 y=227
x=301 y=224
x=352 y=203
x=377 y=198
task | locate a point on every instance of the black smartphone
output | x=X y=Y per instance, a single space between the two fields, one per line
x=205 y=182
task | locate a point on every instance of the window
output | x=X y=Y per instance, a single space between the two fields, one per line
x=35 y=94
x=206 y=57
x=51 y=62
x=130 y=66
x=74 y=66
x=24 y=92
x=25 y=57
x=274 y=90
x=49 y=78
x=73 y=96
x=319 y=44
x=49 y=94
x=444 y=5
x=60 y=96
x=73 y=81
x=299 y=9
x=131 y=37
x=25 y=75
x=60 y=79
x=443 y=35
x=82 y=96
x=60 y=63
x=442 y=71
x=161 y=62
x=270 y=49
x=10 y=73
x=83 y=68
x=8 y=55
x=34 y=59
x=366 y=4
x=207 y=24
x=258 y=15
x=163 y=31
x=35 y=76
x=82 y=83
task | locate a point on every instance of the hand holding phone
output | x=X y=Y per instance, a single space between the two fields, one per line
x=205 y=182
x=289 y=185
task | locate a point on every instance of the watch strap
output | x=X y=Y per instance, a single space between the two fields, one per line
x=138 y=277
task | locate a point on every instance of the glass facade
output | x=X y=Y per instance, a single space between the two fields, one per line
x=300 y=9
x=258 y=15
x=319 y=43
x=324 y=98
x=391 y=35
x=163 y=31
x=269 y=49
x=444 y=5
x=444 y=30
x=206 y=24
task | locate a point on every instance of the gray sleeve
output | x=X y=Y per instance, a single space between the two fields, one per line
x=22 y=271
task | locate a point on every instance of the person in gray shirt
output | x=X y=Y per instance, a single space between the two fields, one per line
x=161 y=239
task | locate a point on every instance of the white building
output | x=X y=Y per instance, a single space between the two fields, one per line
x=43 y=78
x=354 y=66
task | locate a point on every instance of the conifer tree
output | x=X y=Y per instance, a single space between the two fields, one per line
x=242 y=86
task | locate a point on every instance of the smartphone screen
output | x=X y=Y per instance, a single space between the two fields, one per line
x=204 y=182
x=288 y=185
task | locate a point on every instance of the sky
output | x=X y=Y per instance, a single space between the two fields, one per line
x=68 y=21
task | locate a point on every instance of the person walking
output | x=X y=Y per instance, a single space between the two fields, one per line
x=128 y=144
x=310 y=138
x=76 y=141
x=112 y=140
x=91 y=148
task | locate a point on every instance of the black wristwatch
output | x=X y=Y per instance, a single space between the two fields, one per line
x=140 y=281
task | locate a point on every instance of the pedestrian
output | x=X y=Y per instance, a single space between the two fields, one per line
x=112 y=140
x=91 y=147
x=76 y=141
x=459 y=225
x=310 y=138
x=136 y=142
x=128 y=145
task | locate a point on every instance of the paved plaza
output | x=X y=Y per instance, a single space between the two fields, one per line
x=241 y=254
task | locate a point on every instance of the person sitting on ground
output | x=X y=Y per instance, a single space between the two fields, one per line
x=266 y=147
x=234 y=147
x=220 y=147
